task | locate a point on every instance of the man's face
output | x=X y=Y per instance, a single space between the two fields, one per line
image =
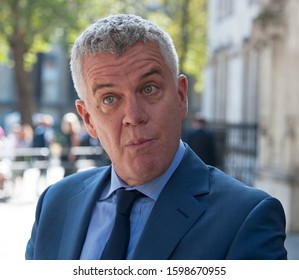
x=135 y=107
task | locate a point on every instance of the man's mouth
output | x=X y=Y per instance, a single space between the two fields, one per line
x=140 y=142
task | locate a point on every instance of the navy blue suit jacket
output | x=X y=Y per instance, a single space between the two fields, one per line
x=201 y=213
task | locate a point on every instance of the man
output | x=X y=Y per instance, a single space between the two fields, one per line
x=125 y=70
x=201 y=140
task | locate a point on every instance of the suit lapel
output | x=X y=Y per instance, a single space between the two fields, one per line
x=78 y=217
x=175 y=211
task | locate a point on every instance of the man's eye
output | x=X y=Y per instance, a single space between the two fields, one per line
x=148 y=89
x=109 y=99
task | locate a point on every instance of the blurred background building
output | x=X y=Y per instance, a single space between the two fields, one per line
x=53 y=90
x=251 y=93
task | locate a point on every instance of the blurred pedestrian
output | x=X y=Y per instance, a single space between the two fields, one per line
x=20 y=137
x=44 y=134
x=5 y=163
x=2 y=139
x=201 y=140
x=71 y=129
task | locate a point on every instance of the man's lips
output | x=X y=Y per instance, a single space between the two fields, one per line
x=140 y=142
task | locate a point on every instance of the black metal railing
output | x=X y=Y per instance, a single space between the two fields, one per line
x=24 y=158
x=39 y=167
x=236 y=149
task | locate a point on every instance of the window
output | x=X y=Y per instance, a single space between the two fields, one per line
x=225 y=8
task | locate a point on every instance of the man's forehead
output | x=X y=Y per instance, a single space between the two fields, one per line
x=145 y=60
x=102 y=82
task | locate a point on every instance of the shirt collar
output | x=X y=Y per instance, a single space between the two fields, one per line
x=152 y=188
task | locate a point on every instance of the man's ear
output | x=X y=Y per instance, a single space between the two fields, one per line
x=83 y=112
x=182 y=92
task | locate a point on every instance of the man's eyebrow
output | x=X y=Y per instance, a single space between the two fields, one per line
x=100 y=86
x=151 y=72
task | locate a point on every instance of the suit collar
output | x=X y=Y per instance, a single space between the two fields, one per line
x=176 y=209
x=79 y=212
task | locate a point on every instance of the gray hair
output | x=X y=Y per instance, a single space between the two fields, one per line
x=114 y=34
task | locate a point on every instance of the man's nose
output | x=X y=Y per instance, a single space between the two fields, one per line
x=135 y=112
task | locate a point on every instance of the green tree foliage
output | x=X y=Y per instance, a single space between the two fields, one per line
x=186 y=21
x=26 y=27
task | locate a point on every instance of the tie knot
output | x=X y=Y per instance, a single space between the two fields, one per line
x=125 y=200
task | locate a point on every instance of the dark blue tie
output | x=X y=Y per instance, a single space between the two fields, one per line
x=117 y=244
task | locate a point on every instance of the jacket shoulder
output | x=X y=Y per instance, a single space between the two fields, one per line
x=221 y=181
x=76 y=182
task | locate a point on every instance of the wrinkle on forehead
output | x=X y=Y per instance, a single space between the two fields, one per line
x=137 y=58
